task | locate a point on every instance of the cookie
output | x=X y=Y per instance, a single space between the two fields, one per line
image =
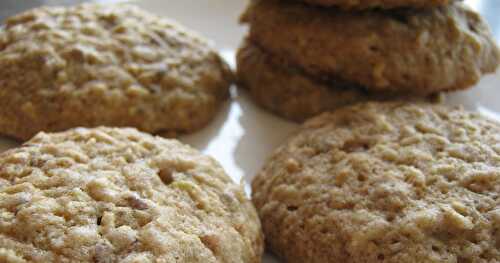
x=288 y=92
x=421 y=52
x=385 y=182
x=115 y=65
x=119 y=195
x=383 y=4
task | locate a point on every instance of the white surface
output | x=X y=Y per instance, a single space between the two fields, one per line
x=243 y=135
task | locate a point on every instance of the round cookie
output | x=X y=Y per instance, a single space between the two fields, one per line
x=290 y=93
x=383 y=4
x=113 y=65
x=385 y=182
x=119 y=195
x=422 y=52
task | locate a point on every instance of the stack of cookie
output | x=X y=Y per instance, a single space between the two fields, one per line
x=301 y=59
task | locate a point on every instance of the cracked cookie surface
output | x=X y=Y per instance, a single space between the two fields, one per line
x=119 y=195
x=112 y=65
x=385 y=182
x=413 y=51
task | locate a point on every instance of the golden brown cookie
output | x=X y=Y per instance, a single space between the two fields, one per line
x=385 y=182
x=383 y=4
x=426 y=51
x=288 y=92
x=119 y=195
x=115 y=65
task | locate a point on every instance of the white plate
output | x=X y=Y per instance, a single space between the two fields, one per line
x=243 y=135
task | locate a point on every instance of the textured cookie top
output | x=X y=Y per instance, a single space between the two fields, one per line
x=384 y=4
x=118 y=195
x=425 y=51
x=111 y=65
x=388 y=182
